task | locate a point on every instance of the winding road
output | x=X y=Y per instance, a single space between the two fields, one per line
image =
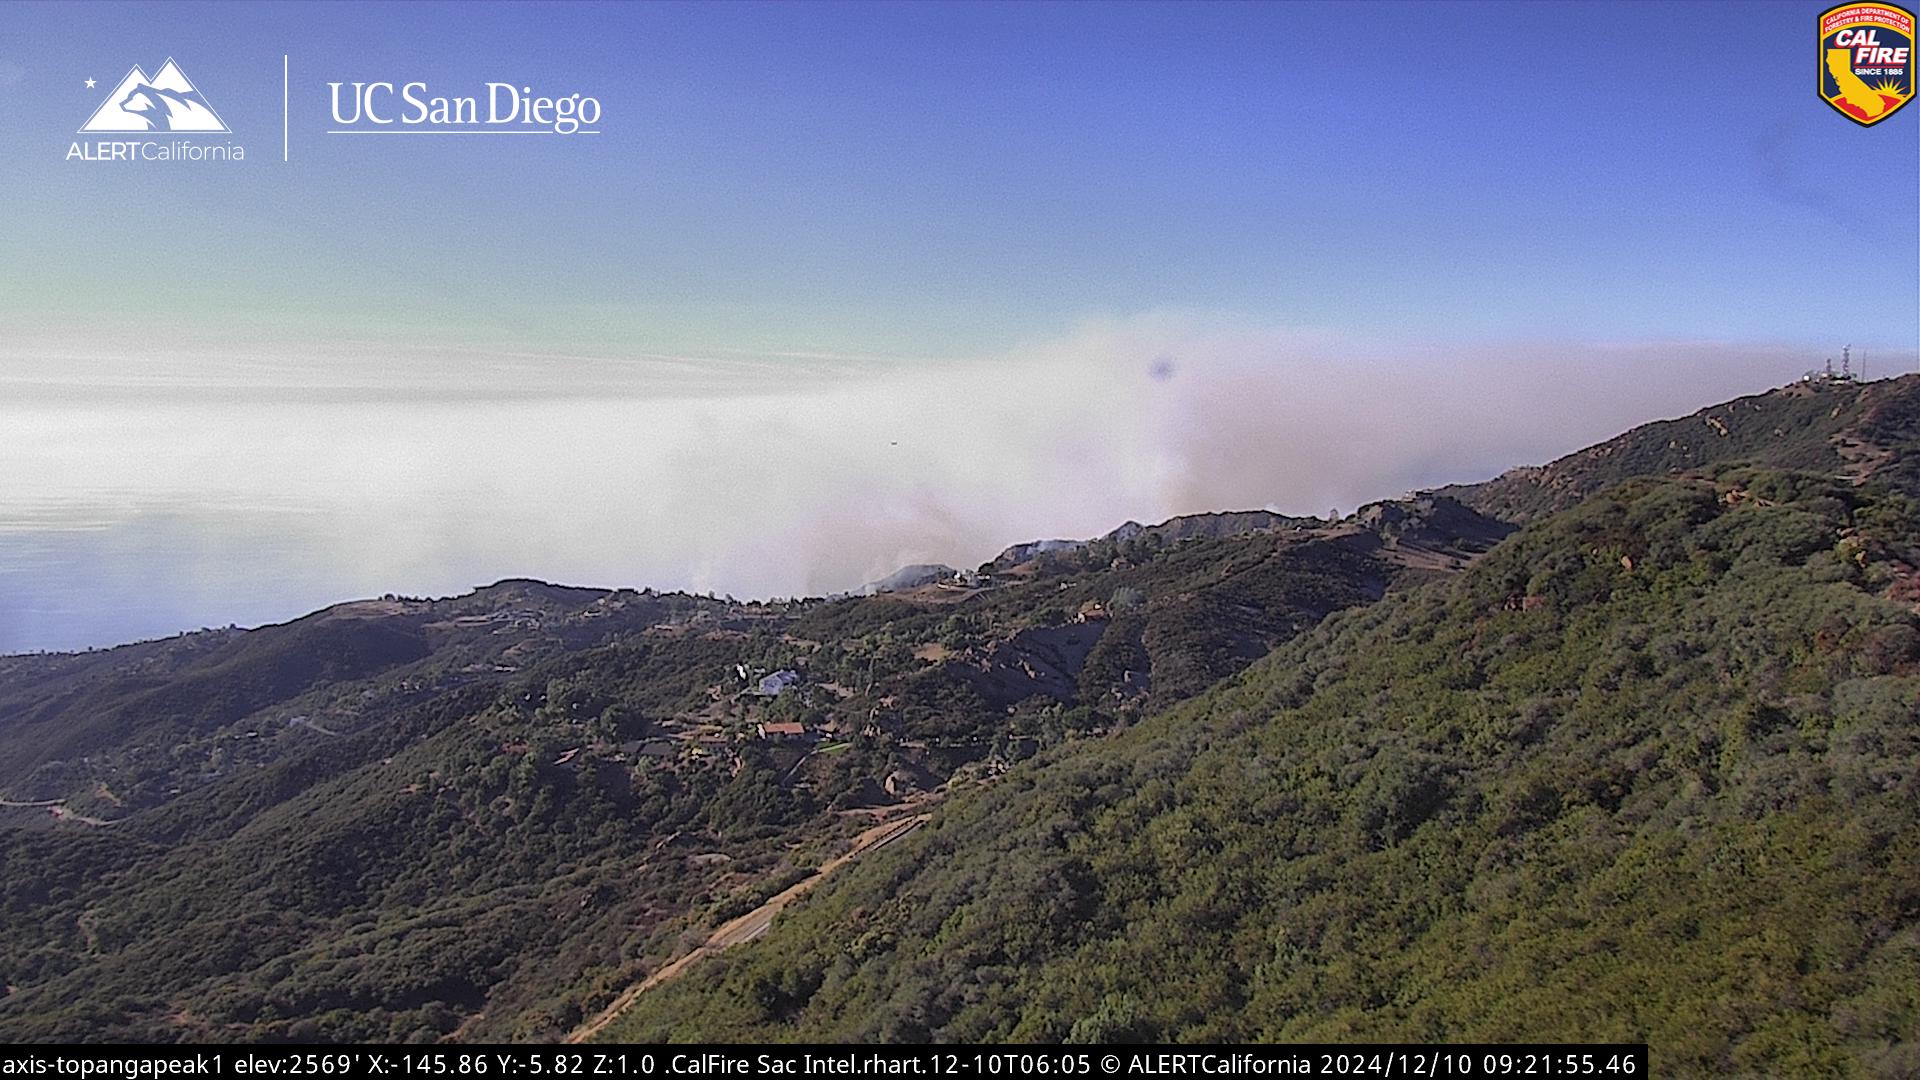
x=751 y=925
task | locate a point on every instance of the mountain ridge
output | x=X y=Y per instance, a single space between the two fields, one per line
x=1854 y=430
x=1322 y=848
x=486 y=816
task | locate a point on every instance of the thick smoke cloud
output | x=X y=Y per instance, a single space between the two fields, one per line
x=156 y=493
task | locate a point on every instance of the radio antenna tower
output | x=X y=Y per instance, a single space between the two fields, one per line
x=1846 y=362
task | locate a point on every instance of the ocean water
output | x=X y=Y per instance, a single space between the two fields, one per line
x=84 y=571
x=144 y=496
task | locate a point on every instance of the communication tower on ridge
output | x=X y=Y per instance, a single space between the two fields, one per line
x=1844 y=375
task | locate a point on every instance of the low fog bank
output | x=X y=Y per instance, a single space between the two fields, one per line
x=161 y=493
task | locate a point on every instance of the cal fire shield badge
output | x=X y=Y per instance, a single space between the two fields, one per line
x=1866 y=60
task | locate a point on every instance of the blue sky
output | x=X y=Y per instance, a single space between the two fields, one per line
x=941 y=179
x=845 y=287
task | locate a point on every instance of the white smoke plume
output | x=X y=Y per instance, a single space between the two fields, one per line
x=152 y=493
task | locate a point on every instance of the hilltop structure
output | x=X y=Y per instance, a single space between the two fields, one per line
x=1846 y=373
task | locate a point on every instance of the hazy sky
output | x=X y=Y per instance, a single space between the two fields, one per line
x=840 y=287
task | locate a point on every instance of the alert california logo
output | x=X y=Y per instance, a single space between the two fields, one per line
x=1866 y=60
x=166 y=104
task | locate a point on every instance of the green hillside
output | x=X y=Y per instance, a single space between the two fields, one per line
x=1657 y=746
x=1647 y=771
x=484 y=816
x=1845 y=429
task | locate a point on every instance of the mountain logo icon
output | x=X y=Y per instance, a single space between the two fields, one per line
x=168 y=102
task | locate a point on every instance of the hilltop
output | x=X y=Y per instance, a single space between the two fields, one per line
x=484 y=815
x=1644 y=772
x=1850 y=430
x=1297 y=768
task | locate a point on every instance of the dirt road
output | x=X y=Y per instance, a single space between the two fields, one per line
x=61 y=813
x=751 y=925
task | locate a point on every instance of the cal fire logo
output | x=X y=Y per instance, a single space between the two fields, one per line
x=1866 y=60
x=166 y=102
